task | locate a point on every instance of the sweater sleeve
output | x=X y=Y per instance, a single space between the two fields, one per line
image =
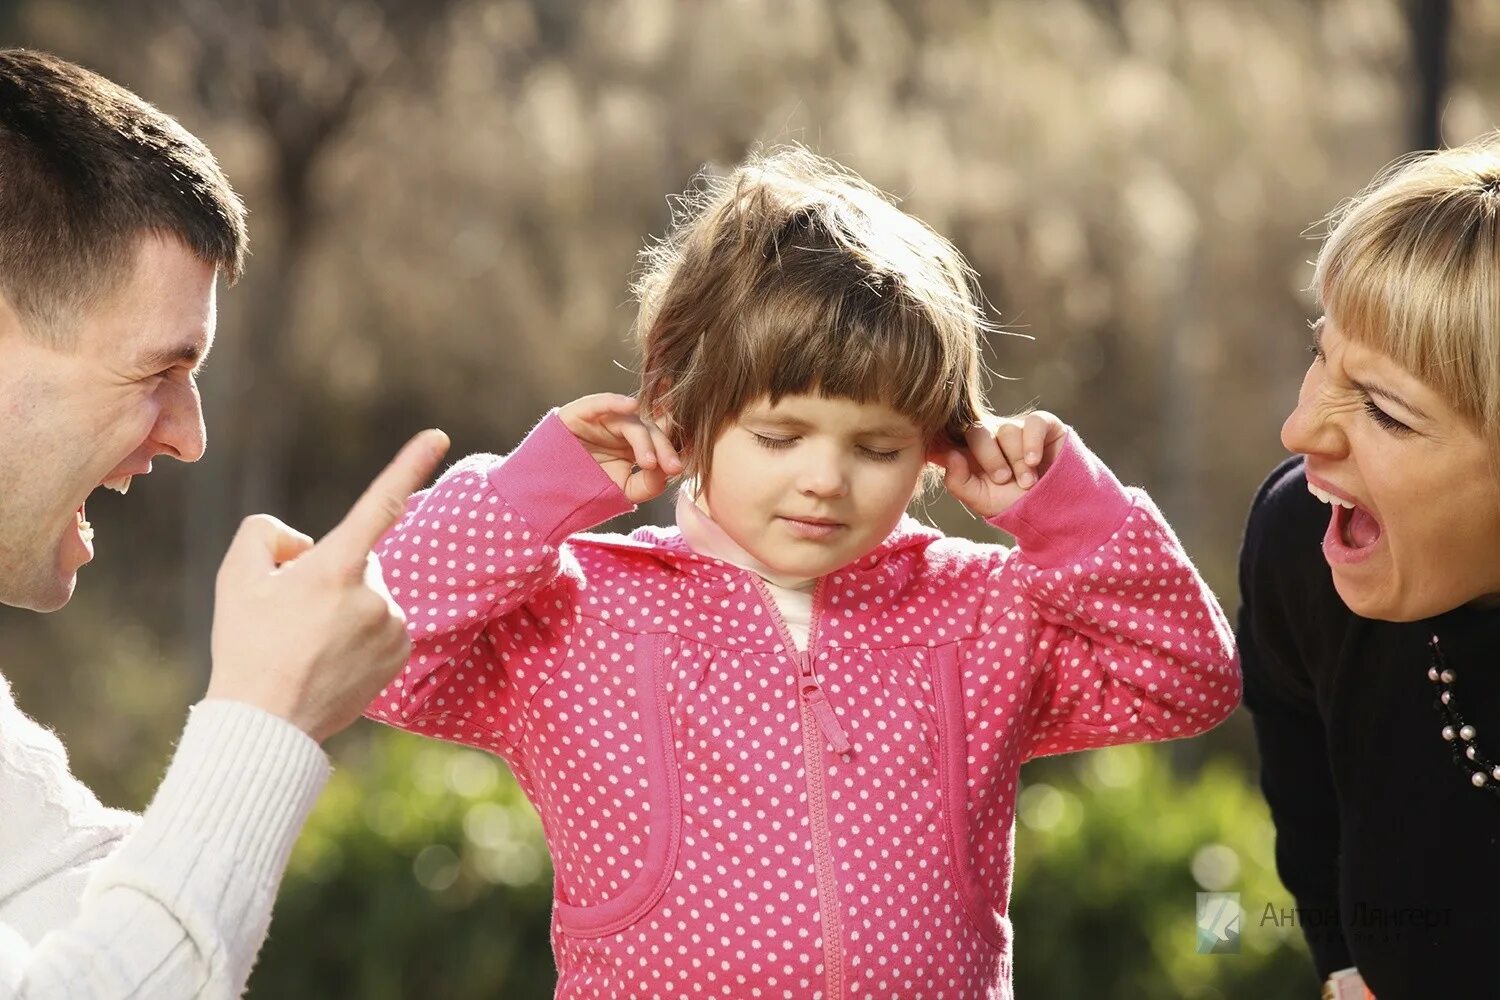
x=1125 y=641
x=1279 y=693
x=182 y=906
x=479 y=567
x=46 y=859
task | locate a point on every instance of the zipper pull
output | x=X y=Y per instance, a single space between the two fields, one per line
x=823 y=712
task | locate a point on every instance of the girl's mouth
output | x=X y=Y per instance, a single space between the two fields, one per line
x=810 y=530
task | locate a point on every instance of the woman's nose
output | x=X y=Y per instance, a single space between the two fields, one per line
x=1306 y=430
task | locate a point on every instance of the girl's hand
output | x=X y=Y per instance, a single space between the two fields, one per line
x=630 y=448
x=1004 y=457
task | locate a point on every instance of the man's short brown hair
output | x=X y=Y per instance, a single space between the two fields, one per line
x=86 y=169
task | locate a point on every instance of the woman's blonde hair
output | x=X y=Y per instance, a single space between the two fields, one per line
x=792 y=275
x=1412 y=270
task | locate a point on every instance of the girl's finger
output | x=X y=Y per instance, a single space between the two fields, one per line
x=1034 y=436
x=986 y=453
x=1010 y=436
x=645 y=484
x=587 y=414
x=667 y=457
x=637 y=437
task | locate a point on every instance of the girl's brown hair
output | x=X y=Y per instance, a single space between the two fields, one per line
x=793 y=275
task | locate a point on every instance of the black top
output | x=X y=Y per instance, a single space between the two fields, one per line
x=1391 y=852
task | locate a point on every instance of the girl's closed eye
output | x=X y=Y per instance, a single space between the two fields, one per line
x=881 y=456
x=778 y=444
x=775 y=444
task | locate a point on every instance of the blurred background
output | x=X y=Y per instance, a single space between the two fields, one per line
x=447 y=200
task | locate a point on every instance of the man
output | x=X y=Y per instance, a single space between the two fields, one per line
x=114 y=225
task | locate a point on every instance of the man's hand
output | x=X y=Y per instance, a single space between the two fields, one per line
x=308 y=631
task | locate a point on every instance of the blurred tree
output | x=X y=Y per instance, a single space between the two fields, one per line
x=297 y=72
x=1431 y=24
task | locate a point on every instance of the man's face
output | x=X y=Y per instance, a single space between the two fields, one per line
x=96 y=413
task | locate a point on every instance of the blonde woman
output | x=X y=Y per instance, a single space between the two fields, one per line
x=1370 y=632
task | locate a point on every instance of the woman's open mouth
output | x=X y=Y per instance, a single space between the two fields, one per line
x=1353 y=532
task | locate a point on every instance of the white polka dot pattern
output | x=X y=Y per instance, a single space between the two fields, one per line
x=648 y=703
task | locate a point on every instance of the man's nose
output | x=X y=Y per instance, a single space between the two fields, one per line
x=179 y=428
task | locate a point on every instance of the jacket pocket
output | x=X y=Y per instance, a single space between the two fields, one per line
x=953 y=756
x=644 y=693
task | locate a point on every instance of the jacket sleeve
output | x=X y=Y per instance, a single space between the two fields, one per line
x=1124 y=641
x=182 y=904
x=1294 y=770
x=489 y=589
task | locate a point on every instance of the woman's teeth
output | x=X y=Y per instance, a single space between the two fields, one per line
x=85 y=530
x=1327 y=497
x=120 y=485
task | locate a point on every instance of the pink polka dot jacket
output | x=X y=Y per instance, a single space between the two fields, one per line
x=730 y=817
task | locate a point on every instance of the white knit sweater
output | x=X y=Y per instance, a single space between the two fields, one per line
x=101 y=903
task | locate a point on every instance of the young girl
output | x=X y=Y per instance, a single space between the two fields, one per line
x=774 y=748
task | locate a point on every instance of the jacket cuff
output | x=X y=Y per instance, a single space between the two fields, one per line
x=555 y=484
x=1075 y=508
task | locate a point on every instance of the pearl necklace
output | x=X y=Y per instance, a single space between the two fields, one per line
x=1483 y=772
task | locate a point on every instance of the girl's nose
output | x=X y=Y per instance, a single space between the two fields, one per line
x=824 y=477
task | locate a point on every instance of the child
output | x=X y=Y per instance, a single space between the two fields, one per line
x=774 y=748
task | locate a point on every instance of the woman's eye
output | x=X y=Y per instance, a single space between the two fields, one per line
x=881 y=456
x=1384 y=419
x=772 y=443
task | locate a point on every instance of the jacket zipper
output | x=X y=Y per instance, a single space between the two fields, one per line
x=817 y=718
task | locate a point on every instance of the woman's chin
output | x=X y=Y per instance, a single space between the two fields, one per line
x=1380 y=599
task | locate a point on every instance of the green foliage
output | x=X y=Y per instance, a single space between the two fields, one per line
x=1111 y=849
x=423 y=873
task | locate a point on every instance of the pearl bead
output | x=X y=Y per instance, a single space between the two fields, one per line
x=1447 y=676
x=1495 y=774
x=1466 y=733
x=1446 y=696
x=1478 y=780
x=1432 y=673
x=1448 y=733
x=1471 y=753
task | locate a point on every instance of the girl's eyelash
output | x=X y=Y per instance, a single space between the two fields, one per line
x=776 y=444
x=1384 y=419
x=881 y=456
